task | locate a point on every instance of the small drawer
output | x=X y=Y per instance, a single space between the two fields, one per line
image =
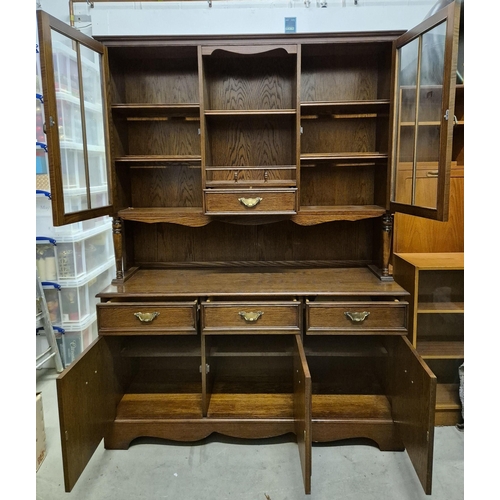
x=151 y=318
x=351 y=318
x=250 y=317
x=251 y=201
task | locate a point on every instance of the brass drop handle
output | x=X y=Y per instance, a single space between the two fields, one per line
x=250 y=202
x=357 y=317
x=146 y=317
x=251 y=317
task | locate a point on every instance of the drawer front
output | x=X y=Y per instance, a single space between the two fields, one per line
x=250 y=317
x=151 y=318
x=330 y=318
x=251 y=201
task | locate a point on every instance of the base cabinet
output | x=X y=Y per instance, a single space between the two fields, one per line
x=253 y=368
x=436 y=326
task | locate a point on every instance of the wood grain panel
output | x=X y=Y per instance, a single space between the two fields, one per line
x=155 y=76
x=330 y=318
x=171 y=186
x=275 y=317
x=172 y=318
x=327 y=185
x=261 y=81
x=413 y=398
x=172 y=136
x=333 y=73
x=280 y=242
x=86 y=396
x=244 y=141
x=340 y=135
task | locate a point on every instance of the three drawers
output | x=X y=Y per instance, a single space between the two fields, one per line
x=322 y=317
x=151 y=318
x=351 y=318
x=257 y=317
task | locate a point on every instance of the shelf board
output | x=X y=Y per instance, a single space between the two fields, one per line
x=440 y=308
x=445 y=261
x=189 y=216
x=155 y=161
x=345 y=107
x=186 y=403
x=250 y=405
x=247 y=112
x=351 y=407
x=440 y=349
x=344 y=156
x=309 y=215
x=144 y=110
x=447 y=397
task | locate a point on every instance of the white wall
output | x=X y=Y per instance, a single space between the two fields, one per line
x=239 y=17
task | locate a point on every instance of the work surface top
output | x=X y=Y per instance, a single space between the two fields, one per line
x=238 y=281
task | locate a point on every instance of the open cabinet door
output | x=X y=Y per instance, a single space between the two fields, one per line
x=302 y=411
x=424 y=115
x=86 y=407
x=72 y=69
x=413 y=397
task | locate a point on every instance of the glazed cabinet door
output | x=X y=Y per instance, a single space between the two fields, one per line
x=75 y=114
x=424 y=115
x=86 y=407
x=412 y=394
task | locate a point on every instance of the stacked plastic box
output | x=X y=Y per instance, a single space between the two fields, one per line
x=74 y=263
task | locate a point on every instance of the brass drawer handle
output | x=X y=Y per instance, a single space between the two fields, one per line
x=357 y=317
x=250 y=202
x=432 y=173
x=250 y=317
x=146 y=317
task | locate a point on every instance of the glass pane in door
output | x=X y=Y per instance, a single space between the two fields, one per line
x=407 y=111
x=429 y=115
x=420 y=96
x=94 y=126
x=69 y=120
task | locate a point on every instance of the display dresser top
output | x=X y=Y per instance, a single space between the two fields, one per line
x=250 y=281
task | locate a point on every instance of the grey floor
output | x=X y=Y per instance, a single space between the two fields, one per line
x=220 y=468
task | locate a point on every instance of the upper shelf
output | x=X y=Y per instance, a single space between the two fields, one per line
x=146 y=110
x=345 y=107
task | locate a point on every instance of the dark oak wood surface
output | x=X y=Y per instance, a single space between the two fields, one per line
x=252 y=282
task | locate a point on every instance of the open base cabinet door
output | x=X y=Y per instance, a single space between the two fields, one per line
x=85 y=394
x=413 y=405
x=302 y=411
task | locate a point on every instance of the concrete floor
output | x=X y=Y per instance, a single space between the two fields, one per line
x=220 y=468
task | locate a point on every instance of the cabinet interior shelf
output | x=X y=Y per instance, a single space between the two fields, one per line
x=243 y=112
x=447 y=397
x=351 y=157
x=345 y=107
x=156 y=110
x=441 y=349
x=150 y=161
x=440 y=308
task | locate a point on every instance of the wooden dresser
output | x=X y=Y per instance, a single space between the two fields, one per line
x=252 y=184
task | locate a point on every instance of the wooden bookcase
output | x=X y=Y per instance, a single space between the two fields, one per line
x=250 y=181
x=436 y=321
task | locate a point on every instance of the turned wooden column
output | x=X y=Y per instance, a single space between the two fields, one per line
x=387 y=226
